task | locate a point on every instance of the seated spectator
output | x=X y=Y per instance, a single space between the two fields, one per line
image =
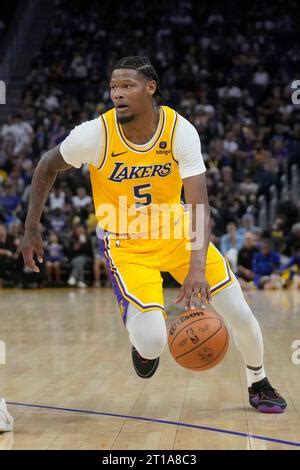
x=20 y=133
x=57 y=198
x=230 y=145
x=278 y=233
x=245 y=258
x=57 y=221
x=81 y=200
x=231 y=243
x=266 y=264
x=10 y=202
x=248 y=225
x=81 y=254
x=54 y=257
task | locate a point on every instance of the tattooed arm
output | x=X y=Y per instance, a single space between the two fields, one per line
x=43 y=179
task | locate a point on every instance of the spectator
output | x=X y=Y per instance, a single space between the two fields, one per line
x=81 y=253
x=57 y=221
x=248 y=225
x=231 y=243
x=261 y=77
x=230 y=144
x=266 y=264
x=54 y=257
x=10 y=202
x=81 y=200
x=57 y=199
x=278 y=233
x=245 y=259
x=20 y=132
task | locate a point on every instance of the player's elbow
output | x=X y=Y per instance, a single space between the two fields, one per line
x=53 y=161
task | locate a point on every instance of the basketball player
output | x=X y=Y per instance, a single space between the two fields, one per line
x=139 y=155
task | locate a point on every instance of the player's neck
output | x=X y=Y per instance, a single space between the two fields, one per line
x=143 y=128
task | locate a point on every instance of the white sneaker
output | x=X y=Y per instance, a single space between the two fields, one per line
x=6 y=420
x=72 y=281
x=81 y=284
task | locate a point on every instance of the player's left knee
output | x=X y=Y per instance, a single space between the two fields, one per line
x=152 y=344
x=148 y=334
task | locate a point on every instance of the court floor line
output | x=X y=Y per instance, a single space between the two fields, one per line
x=160 y=421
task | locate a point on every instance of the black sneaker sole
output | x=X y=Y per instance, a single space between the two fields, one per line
x=268 y=407
x=276 y=404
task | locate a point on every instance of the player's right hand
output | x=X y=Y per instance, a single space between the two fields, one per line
x=32 y=245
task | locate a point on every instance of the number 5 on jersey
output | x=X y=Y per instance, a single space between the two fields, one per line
x=144 y=198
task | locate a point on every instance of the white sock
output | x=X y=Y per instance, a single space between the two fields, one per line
x=255 y=375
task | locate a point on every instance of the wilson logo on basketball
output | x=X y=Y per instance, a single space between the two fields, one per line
x=182 y=319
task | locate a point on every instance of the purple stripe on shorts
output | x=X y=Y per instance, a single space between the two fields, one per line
x=113 y=273
x=224 y=282
x=123 y=303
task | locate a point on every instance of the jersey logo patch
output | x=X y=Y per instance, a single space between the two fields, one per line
x=113 y=154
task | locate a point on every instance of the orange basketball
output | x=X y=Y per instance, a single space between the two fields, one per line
x=198 y=339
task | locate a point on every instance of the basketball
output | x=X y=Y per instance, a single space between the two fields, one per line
x=198 y=339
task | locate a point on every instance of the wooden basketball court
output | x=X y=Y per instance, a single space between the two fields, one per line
x=70 y=384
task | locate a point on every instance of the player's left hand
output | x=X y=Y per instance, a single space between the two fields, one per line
x=195 y=290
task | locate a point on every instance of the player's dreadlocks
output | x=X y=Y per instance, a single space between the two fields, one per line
x=141 y=65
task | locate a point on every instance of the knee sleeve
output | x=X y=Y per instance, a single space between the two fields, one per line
x=232 y=306
x=147 y=331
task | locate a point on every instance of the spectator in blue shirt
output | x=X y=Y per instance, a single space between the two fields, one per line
x=231 y=243
x=248 y=225
x=10 y=200
x=232 y=239
x=265 y=265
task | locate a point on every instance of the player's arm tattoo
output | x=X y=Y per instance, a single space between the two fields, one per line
x=43 y=179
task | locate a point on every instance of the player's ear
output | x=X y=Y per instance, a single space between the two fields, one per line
x=151 y=87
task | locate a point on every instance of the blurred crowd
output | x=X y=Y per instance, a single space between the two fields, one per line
x=227 y=69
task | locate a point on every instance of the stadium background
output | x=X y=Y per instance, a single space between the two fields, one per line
x=226 y=68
